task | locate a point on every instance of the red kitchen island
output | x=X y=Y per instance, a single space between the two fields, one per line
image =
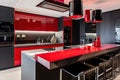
x=43 y=64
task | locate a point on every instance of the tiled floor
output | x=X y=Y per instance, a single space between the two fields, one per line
x=15 y=74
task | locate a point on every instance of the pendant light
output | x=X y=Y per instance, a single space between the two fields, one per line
x=97 y=16
x=87 y=15
x=76 y=9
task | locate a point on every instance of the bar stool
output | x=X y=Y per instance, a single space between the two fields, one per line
x=78 y=71
x=108 y=60
x=100 y=65
x=116 y=64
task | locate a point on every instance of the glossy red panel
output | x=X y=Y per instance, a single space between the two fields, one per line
x=25 y=21
x=67 y=21
x=65 y=54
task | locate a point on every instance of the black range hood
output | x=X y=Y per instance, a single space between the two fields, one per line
x=54 y=5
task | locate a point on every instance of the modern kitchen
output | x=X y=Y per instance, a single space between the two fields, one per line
x=59 y=40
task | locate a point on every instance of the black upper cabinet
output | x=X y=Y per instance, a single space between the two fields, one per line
x=6 y=14
x=90 y=27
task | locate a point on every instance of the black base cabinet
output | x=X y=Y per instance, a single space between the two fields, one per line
x=6 y=57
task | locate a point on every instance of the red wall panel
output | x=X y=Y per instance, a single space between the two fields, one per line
x=25 y=21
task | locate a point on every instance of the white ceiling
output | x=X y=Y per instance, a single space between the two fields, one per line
x=30 y=6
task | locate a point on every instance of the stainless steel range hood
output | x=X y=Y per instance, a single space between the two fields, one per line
x=54 y=5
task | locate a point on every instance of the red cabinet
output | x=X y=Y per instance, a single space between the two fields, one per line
x=67 y=21
x=25 y=21
x=17 y=51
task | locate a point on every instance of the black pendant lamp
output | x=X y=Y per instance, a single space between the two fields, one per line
x=97 y=16
x=76 y=9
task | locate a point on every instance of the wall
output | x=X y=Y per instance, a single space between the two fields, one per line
x=25 y=21
x=106 y=29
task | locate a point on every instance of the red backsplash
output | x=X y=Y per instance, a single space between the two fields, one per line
x=33 y=22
